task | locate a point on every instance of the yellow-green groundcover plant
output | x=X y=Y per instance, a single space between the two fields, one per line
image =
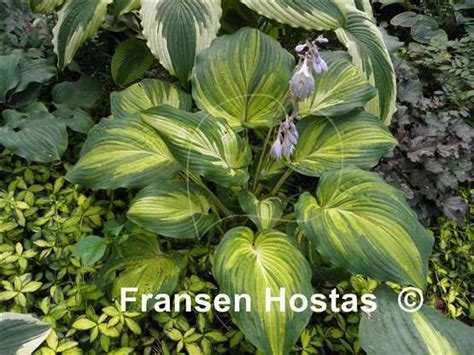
x=223 y=147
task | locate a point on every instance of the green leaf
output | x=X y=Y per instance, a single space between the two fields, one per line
x=391 y=331
x=173 y=208
x=78 y=120
x=90 y=249
x=122 y=153
x=337 y=91
x=83 y=93
x=362 y=224
x=369 y=53
x=146 y=94
x=130 y=60
x=34 y=71
x=34 y=135
x=245 y=263
x=78 y=20
x=120 y=7
x=243 y=78
x=9 y=75
x=404 y=19
x=425 y=29
x=263 y=213
x=43 y=6
x=176 y=31
x=202 y=144
x=317 y=15
x=21 y=334
x=140 y=263
x=326 y=143
x=83 y=324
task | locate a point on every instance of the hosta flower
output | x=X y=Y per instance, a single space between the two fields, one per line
x=276 y=150
x=286 y=139
x=300 y=47
x=302 y=82
x=319 y=65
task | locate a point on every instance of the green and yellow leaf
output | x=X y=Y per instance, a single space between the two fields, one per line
x=139 y=263
x=243 y=78
x=146 y=94
x=390 y=330
x=122 y=153
x=203 y=144
x=328 y=143
x=362 y=224
x=337 y=91
x=313 y=14
x=78 y=20
x=263 y=213
x=245 y=263
x=176 y=31
x=173 y=208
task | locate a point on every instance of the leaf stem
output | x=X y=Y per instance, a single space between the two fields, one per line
x=214 y=198
x=261 y=158
x=280 y=182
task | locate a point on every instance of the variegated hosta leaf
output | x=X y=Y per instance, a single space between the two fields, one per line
x=360 y=223
x=176 y=31
x=355 y=29
x=43 y=6
x=243 y=78
x=78 y=20
x=338 y=90
x=328 y=143
x=265 y=213
x=245 y=263
x=130 y=60
x=391 y=331
x=139 y=263
x=173 y=208
x=365 y=43
x=120 y=7
x=122 y=153
x=21 y=334
x=146 y=94
x=202 y=144
x=309 y=14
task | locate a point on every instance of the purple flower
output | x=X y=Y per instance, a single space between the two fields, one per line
x=276 y=150
x=319 y=65
x=321 y=39
x=300 y=48
x=302 y=82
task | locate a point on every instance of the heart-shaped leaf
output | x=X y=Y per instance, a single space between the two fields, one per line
x=263 y=213
x=360 y=223
x=176 y=31
x=245 y=263
x=122 y=153
x=326 y=143
x=138 y=262
x=173 y=208
x=146 y=94
x=202 y=144
x=243 y=78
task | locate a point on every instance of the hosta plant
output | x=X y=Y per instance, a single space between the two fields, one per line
x=220 y=154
